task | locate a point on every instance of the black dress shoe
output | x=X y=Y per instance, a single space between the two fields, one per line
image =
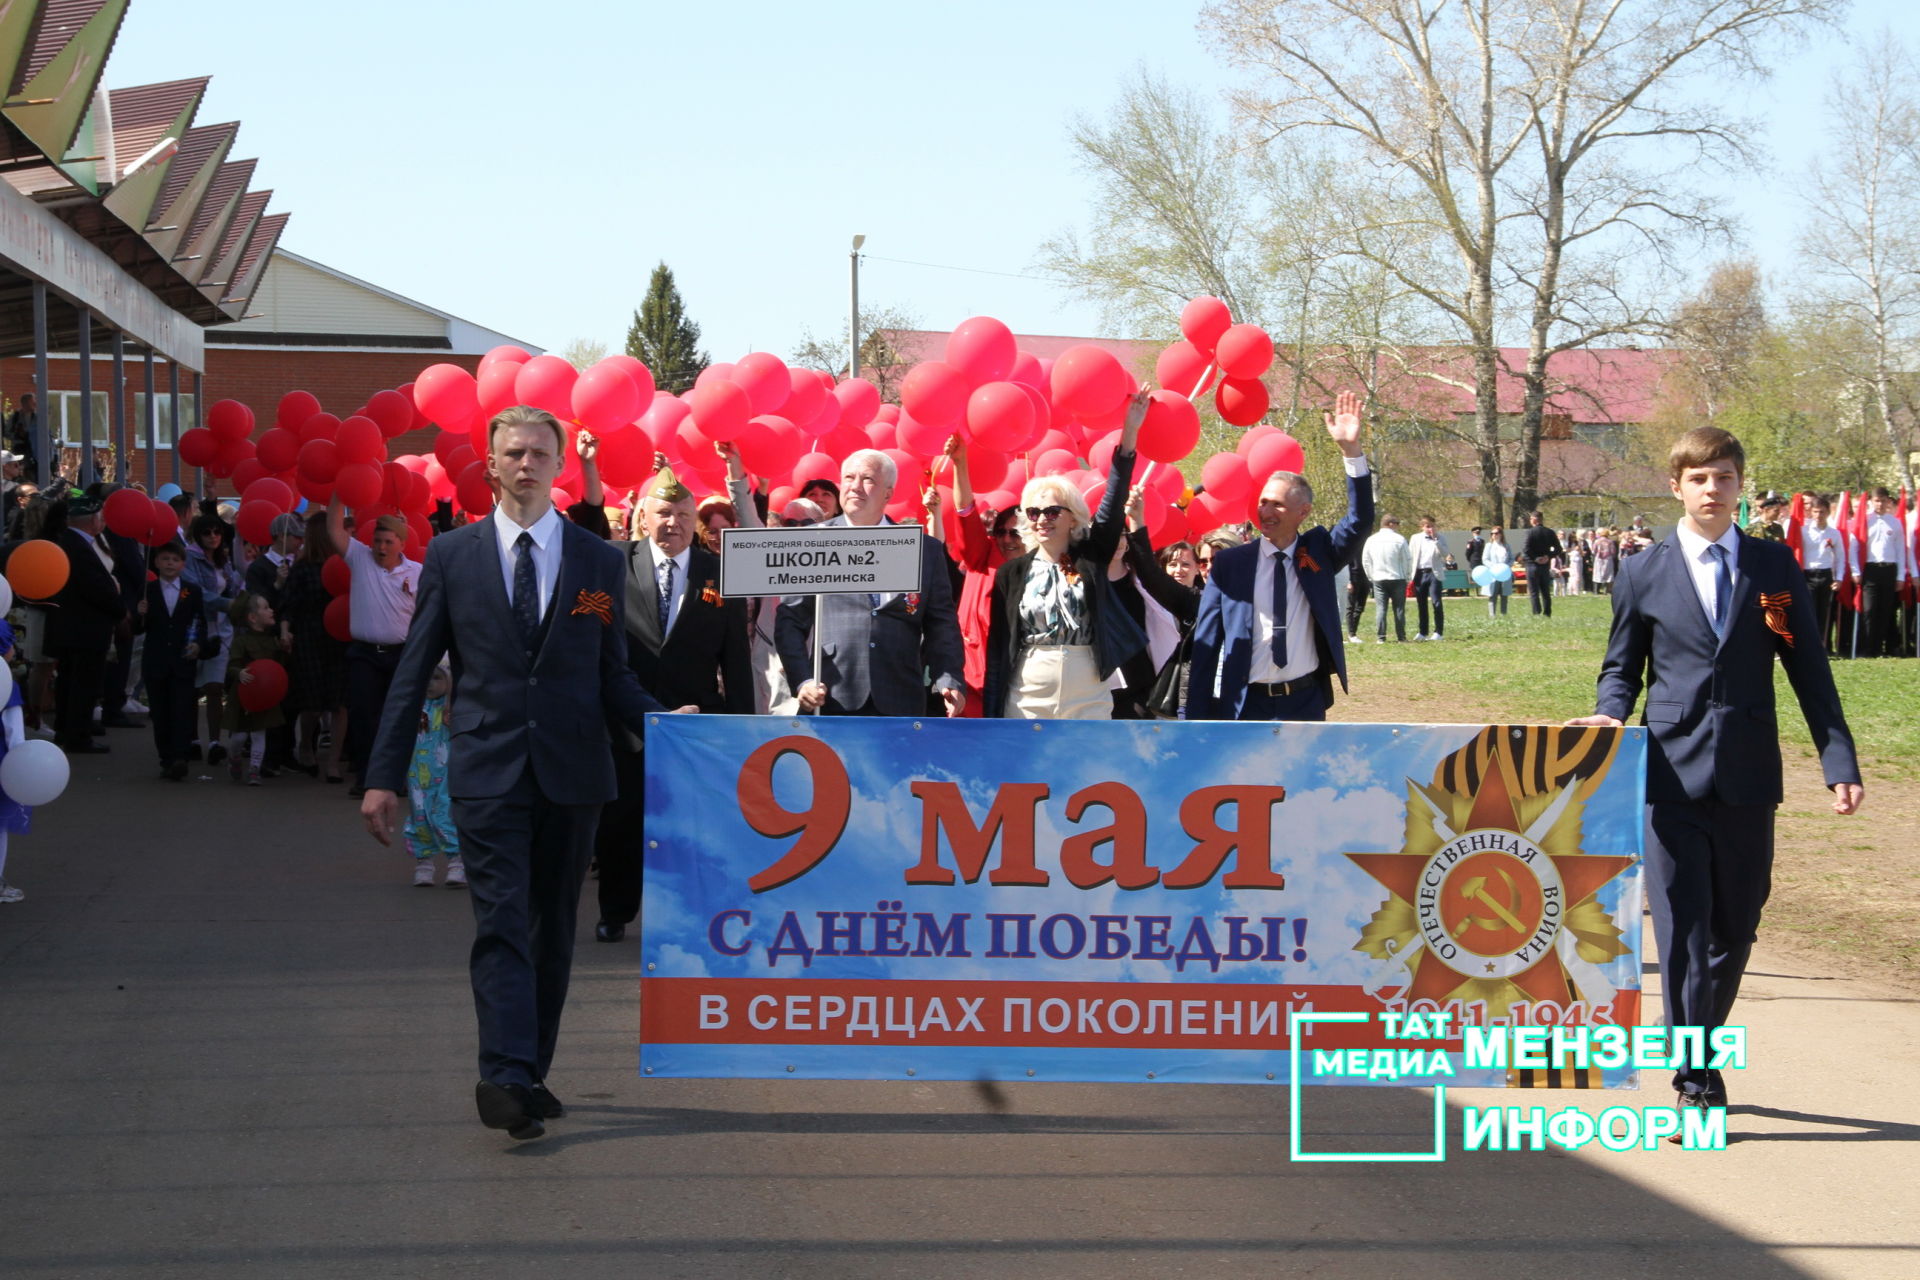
x=120 y=722
x=605 y=932
x=177 y=770
x=510 y=1107
x=545 y=1105
x=1685 y=1100
x=193 y=752
x=216 y=753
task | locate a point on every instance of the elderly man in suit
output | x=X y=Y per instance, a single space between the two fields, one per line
x=85 y=615
x=876 y=649
x=1266 y=643
x=1700 y=618
x=529 y=607
x=690 y=648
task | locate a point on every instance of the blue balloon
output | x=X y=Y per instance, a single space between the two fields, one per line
x=1482 y=575
x=167 y=492
x=1503 y=574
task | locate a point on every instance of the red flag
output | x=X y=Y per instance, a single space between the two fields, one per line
x=1846 y=590
x=1796 y=530
x=1900 y=518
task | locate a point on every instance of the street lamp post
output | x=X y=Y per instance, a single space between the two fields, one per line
x=853 y=313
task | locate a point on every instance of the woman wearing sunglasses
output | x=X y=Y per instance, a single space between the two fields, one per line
x=1056 y=635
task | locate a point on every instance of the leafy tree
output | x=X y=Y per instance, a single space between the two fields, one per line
x=582 y=353
x=662 y=338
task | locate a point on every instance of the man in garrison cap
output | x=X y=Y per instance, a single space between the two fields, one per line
x=685 y=644
x=81 y=624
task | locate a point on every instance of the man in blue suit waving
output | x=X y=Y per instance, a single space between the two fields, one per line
x=1267 y=642
x=529 y=607
x=1699 y=618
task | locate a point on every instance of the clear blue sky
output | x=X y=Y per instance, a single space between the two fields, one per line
x=524 y=166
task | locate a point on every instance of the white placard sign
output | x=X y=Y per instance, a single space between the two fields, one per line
x=820 y=560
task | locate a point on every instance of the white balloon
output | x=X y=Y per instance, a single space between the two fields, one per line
x=34 y=773
x=6 y=684
x=6 y=595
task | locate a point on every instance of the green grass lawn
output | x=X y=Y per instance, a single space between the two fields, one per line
x=1522 y=668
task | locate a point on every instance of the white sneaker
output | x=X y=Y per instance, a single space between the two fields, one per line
x=132 y=708
x=1437 y=636
x=1421 y=636
x=1379 y=639
x=423 y=874
x=456 y=874
x=8 y=893
x=41 y=735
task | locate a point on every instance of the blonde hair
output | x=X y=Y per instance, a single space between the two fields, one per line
x=1053 y=491
x=525 y=415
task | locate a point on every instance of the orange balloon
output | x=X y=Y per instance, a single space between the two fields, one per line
x=37 y=569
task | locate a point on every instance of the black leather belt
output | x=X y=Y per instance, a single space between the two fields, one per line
x=1278 y=689
x=380 y=648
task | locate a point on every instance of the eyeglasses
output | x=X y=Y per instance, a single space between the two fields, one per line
x=1050 y=513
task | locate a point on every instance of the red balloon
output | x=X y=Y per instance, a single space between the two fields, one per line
x=473 y=491
x=360 y=440
x=321 y=426
x=1000 y=415
x=924 y=439
x=840 y=442
x=1241 y=403
x=908 y=470
x=882 y=433
x=1203 y=320
x=769 y=445
x=439 y=483
x=255 y=522
x=605 y=399
x=1277 y=452
x=419 y=494
x=337 y=618
x=766 y=380
x=393 y=484
x=935 y=392
x=316 y=491
x=230 y=420
x=319 y=461
x=983 y=349
x=507 y=354
x=641 y=375
x=267 y=689
x=1185 y=369
x=295 y=408
x=335 y=576
x=229 y=455
x=1245 y=352
x=199 y=447
x=392 y=412
x=816 y=466
x=165 y=526
x=1168 y=483
x=447 y=394
x=626 y=457
x=859 y=401
x=1226 y=477
x=278 y=449
x=129 y=513
x=494 y=388
x=248 y=471
x=718 y=372
x=664 y=416
x=447 y=441
x=1054 y=462
x=719 y=409
x=1090 y=381
x=806 y=394
x=1028 y=371
x=989 y=467
x=546 y=382
x=1172 y=427
x=277 y=493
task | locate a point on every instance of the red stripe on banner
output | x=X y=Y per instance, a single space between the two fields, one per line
x=1070 y=1015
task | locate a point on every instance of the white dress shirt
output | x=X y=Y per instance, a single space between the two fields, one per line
x=679 y=564
x=545 y=553
x=1303 y=654
x=1820 y=548
x=382 y=599
x=1429 y=553
x=170 y=594
x=1887 y=543
x=1705 y=568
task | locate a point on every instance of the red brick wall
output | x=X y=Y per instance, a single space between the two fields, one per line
x=342 y=380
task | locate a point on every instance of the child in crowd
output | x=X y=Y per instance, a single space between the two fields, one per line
x=247 y=730
x=430 y=828
x=172 y=618
x=14 y=816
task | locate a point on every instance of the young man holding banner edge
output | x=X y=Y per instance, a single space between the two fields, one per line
x=1699 y=619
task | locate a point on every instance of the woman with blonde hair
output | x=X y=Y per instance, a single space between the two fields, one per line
x=1056 y=635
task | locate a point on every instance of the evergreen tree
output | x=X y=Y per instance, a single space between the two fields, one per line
x=662 y=338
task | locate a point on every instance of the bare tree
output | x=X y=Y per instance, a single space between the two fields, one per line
x=1862 y=238
x=1718 y=334
x=1512 y=122
x=880 y=363
x=582 y=352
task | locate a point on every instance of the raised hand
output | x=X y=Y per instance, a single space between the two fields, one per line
x=589 y=446
x=1343 y=424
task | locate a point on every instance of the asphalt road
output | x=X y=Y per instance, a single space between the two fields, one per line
x=235 y=1042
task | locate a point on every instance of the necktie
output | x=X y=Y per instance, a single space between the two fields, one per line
x=1722 y=589
x=526 y=588
x=1279 y=610
x=666 y=596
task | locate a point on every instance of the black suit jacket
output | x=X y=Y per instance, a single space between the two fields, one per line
x=704 y=659
x=1710 y=709
x=87 y=609
x=168 y=634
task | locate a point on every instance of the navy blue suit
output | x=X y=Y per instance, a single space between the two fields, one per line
x=1224 y=630
x=529 y=764
x=165 y=670
x=1713 y=759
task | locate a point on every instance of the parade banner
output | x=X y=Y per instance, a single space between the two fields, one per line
x=820 y=560
x=854 y=898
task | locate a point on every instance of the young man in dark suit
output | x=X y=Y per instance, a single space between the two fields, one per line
x=1541 y=546
x=1699 y=618
x=528 y=606
x=81 y=623
x=875 y=649
x=1267 y=643
x=170 y=616
x=689 y=647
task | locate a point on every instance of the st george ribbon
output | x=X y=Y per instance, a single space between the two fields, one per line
x=851 y=898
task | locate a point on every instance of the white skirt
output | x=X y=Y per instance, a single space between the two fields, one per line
x=1058 y=682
